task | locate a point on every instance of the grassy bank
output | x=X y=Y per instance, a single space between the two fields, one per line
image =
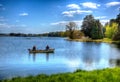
x=104 y=75
x=105 y=40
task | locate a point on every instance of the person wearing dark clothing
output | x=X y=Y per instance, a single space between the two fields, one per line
x=47 y=47
x=34 y=48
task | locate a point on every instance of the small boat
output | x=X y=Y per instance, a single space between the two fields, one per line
x=41 y=51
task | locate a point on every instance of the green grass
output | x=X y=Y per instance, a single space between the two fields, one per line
x=105 y=40
x=104 y=75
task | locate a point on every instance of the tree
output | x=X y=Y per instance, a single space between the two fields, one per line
x=117 y=35
x=70 y=28
x=92 y=27
x=87 y=25
x=94 y=33
x=100 y=30
x=111 y=30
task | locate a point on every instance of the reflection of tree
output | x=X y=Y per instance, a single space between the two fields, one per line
x=115 y=62
x=88 y=60
x=47 y=56
x=29 y=56
x=34 y=56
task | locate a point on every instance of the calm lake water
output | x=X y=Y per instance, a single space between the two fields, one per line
x=15 y=59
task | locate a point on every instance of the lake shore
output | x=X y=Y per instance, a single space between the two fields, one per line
x=104 y=40
x=103 y=75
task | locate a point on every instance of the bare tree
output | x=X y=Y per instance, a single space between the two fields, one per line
x=71 y=27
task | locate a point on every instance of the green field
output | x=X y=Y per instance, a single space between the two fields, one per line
x=104 y=75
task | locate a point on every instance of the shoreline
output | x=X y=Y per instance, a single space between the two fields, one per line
x=104 y=40
x=100 y=75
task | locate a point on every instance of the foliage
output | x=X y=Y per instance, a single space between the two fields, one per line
x=92 y=27
x=117 y=35
x=104 y=75
x=70 y=28
x=111 y=30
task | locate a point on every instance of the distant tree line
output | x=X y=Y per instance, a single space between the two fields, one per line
x=49 y=34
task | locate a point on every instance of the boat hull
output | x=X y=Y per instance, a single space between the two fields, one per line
x=41 y=51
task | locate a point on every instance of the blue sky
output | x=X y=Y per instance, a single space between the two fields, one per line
x=41 y=16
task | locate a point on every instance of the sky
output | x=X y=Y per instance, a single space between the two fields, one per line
x=42 y=16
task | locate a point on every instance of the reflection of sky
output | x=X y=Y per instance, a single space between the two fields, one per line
x=88 y=65
x=83 y=60
x=68 y=56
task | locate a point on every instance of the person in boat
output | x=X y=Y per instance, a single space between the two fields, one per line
x=47 y=47
x=34 y=48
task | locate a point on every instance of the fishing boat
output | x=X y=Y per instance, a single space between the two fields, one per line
x=41 y=51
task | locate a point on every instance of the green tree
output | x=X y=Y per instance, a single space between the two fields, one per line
x=92 y=27
x=117 y=35
x=111 y=30
x=94 y=33
x=100 y=30
x=88 y=23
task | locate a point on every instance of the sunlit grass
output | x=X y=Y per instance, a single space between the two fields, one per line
x=104 y=75
x=106 y=40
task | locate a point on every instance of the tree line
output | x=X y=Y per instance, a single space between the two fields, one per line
x=93 y=28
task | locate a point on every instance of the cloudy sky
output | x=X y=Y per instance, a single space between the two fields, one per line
x=40 y=16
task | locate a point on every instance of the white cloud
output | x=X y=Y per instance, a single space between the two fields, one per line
x=74 y=12
x=78 y=22
x=104 y=21
x=63 y=23
x=6 y=25
x=73 y=6
x=68 y=13
x=23 y=14
x=83 y=11
x=112 y=4
x=90 y=5
x=100 y=17
x=59 y=23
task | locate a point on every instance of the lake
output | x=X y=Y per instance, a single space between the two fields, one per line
x=69 y=56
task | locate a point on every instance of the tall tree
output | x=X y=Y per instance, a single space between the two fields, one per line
x=100 y=29
x=117 y=35
x=92 y=27
x=88 y=23
x=70 y=28
x=111 y=30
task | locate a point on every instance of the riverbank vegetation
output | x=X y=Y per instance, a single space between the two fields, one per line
x=93 y=31
x=104 y=75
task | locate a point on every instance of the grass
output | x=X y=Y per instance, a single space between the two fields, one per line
x=105 y=40
x=104 y=75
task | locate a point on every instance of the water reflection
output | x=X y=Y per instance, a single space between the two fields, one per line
x=115 y=62
x=68 y=56
x=34 y=56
